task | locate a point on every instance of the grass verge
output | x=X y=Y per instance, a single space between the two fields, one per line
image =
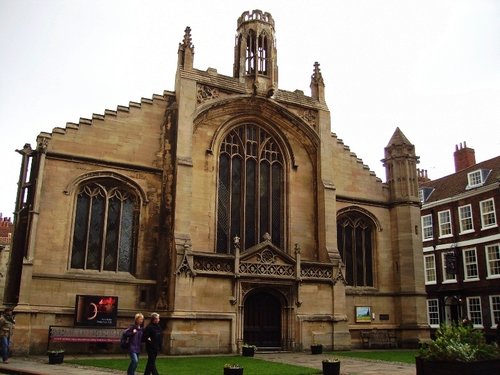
x=202 y=365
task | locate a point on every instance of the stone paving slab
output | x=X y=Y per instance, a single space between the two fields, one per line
x=38 y=365
x=348 y=366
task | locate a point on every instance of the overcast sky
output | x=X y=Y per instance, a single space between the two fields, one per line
x=430 y=67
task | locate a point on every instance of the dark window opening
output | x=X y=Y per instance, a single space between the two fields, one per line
x=250 y=189
x=355 y=242
x=105 y=227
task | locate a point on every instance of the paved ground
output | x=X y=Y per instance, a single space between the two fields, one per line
x=347 y=366
x=39 y=366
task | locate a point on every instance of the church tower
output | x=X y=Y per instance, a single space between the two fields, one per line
x=255 y=53
x=400 y=163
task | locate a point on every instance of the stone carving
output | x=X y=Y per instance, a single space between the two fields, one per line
x=248 y=268
x=340 y=277
x=266 y=256
x=309 y=116
x=316 y=271
x=185 y=264
x=205 y=93
x=213 y=264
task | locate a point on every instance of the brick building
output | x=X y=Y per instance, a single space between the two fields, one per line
x=461 y=242
x=6 y=228
x=227 y=205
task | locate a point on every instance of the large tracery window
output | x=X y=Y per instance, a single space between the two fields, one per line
x=355 y=242
x=250 y=189
x=105 y=231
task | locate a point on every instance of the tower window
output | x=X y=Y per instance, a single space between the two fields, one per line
x=250 y=53
x=262 y=55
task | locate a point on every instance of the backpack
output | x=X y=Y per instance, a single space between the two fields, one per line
x=124 y=341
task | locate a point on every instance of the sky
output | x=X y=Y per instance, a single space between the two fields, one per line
x=429 y=67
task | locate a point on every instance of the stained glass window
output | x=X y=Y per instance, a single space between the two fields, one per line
x=250 y=189
x=105 y=227
x=355 y=242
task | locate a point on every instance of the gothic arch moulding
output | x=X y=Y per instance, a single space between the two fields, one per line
x=362 y=211
x=259 y=111
x=70 y=188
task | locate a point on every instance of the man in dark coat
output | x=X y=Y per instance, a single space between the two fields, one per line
x=153 y=339
x=7 y=323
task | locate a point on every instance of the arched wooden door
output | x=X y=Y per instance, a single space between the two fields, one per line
x=262 y=323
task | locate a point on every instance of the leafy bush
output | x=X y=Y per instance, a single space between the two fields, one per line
x=458 y=343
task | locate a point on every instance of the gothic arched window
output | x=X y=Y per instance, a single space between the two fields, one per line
x=355 y=241
x=106 y=218
x=262 y=50
x=250 y=189
x=250 y=53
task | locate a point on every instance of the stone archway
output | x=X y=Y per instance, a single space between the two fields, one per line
x=262 y=320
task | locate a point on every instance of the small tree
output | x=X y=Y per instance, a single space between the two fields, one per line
x=458 y=342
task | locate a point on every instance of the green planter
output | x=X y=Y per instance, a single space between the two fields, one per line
x=248 y=351
x=488 y=367
x=233 y=371
x=56 y=358
x=316 y=349
x=331 y=368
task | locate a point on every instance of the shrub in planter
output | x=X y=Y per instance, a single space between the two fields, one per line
x=55 y=356
x=458 y=349
x=331 y=366
x=233 y=369
x=316 y=349
x=248 y=350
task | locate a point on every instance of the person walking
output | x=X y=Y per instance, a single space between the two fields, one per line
x=7 y=323
x=153 y=339
x=135 y=332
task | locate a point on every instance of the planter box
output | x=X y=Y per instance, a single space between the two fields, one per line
x=247 y=351
x=331 y=368
x=316 y=349
x=56 y=358
x=488 y=367
x=233 y=371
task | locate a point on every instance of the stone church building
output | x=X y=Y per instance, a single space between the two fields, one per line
x=228 y=206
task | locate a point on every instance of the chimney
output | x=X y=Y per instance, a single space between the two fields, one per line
x=422 y=175
x=464 y=156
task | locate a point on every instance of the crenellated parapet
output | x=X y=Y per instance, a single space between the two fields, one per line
x=256 y=15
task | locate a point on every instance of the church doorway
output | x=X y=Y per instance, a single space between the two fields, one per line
x=262 y=322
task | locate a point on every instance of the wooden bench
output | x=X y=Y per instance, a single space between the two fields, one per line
x=84 y=334
x=378 y=338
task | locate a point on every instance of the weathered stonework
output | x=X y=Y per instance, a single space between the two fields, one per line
x=168 y=151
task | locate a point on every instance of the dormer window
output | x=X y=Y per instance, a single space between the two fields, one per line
x=477 y=178
x=424 y=193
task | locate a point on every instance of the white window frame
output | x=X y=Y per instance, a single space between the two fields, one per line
x=469 y=257
x=444 y=219
x=433 y=313
x=443 y=263
x=427 y=229
x=431 y=270
x=474 y=178
x=492 y=263
x=487 y=214
x=475 y=315
x=494 y=309
x=465 y=219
